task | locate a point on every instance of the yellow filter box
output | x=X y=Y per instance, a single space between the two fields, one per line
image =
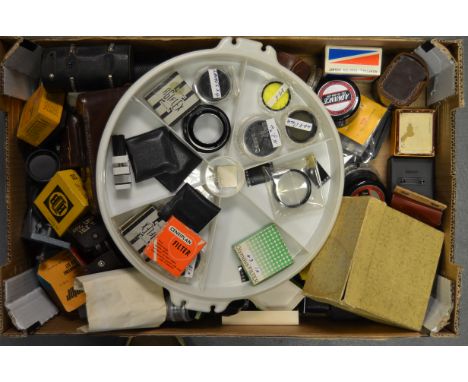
x=363 y=126
x=40 y=116
x=62 y=200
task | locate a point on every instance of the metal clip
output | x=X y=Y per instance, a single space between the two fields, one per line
x=412 y=180
x=72 y=83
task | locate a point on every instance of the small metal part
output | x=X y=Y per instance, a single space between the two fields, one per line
x=111 y=81
x=72 y=83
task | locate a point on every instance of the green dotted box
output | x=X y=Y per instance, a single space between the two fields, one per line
x=263 y=254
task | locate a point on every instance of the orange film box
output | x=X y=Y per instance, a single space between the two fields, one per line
x=59 y=273
x=175 y=247
x=40 y=116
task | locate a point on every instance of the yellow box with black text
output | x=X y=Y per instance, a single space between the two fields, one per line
x=62 y=200
x=40 y=116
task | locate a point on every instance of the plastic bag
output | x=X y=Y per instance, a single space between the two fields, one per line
x=295 y=186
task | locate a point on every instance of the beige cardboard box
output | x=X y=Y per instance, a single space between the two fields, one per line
x=378 y=263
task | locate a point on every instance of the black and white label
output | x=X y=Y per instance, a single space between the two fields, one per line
x=120 y=165
x=298 y=124
x=142 y=229
x=214 y=83
x=121 y=171
x=279 y=93
x=172 y=99
x=274 y=132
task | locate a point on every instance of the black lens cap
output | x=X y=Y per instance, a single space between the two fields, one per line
x=41 y=165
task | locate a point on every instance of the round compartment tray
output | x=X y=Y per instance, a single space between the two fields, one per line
x=217 y=281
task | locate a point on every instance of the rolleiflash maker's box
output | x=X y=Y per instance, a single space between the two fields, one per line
x=19 y=257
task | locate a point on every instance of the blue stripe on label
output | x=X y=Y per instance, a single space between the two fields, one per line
x=341 y=53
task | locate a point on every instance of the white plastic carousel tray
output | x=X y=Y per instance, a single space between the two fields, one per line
x=218 y=282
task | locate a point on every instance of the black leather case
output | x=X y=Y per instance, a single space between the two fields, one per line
x=186 y=161
x=415 y=174
x=151 y=154
x=191 y=208
x=75 y=68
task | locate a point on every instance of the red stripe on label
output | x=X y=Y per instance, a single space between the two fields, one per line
x=367 y=60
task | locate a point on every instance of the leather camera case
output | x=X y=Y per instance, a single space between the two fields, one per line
x=403 y=80
x=76 y=68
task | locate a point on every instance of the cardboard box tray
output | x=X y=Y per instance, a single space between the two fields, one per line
x=19 y=258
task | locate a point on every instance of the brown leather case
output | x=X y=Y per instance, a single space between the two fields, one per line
x=418 y=206
x=94 y=109
x=71 y=154
x=295 y=64
x=403 y=80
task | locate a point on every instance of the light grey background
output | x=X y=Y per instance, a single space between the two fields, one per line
x=461 y=257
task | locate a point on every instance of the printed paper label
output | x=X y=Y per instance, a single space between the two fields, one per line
x=274 y=133
x=251 y=262
x=190 y=270
x=214 y=83
x=298 y=124
x=279 y=93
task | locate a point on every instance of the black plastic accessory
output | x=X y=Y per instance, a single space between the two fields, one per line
x=191 y=208
x=89 y=236
x=185 y=161
x=415 y=174
x=107 y=261
x=151 y=154
x=190 y=134
x=120 y=165
x=259 y=174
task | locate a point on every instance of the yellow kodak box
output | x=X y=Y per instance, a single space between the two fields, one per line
x=62 y=200
x=40 y=116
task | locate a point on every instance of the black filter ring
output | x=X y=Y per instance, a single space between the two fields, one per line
x=188 y=126
x=306 y=197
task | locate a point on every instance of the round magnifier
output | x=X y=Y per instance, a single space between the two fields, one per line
x=293 y=188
